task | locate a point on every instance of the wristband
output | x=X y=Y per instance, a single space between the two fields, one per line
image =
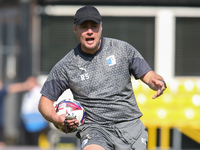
x=164 y=83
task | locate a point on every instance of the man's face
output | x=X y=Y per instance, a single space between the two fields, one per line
x=89 y=35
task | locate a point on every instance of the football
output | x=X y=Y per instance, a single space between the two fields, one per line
x=71 y=108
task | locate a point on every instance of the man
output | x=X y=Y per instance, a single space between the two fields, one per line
x=32 y=121
x=98 y=72
x=4 y=90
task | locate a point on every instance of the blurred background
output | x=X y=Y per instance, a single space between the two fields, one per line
x=35 y=34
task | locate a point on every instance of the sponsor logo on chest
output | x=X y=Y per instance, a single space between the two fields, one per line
x=111 y=60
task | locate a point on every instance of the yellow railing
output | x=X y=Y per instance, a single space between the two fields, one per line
x=178 y=107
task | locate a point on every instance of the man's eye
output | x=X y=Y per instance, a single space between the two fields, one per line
x=82 y=26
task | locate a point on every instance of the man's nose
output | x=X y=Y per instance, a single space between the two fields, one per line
x=90 y=31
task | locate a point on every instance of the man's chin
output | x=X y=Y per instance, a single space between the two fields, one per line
x=91 y=47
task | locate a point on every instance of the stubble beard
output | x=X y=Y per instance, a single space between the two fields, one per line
x=94 y=48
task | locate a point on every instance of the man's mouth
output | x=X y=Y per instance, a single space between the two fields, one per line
x=90 y=40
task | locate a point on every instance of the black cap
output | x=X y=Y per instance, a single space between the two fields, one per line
x=87 y=13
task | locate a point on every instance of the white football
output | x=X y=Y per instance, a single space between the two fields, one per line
x=70 y=107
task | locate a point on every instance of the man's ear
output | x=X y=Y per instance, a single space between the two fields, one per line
x=74 y=28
